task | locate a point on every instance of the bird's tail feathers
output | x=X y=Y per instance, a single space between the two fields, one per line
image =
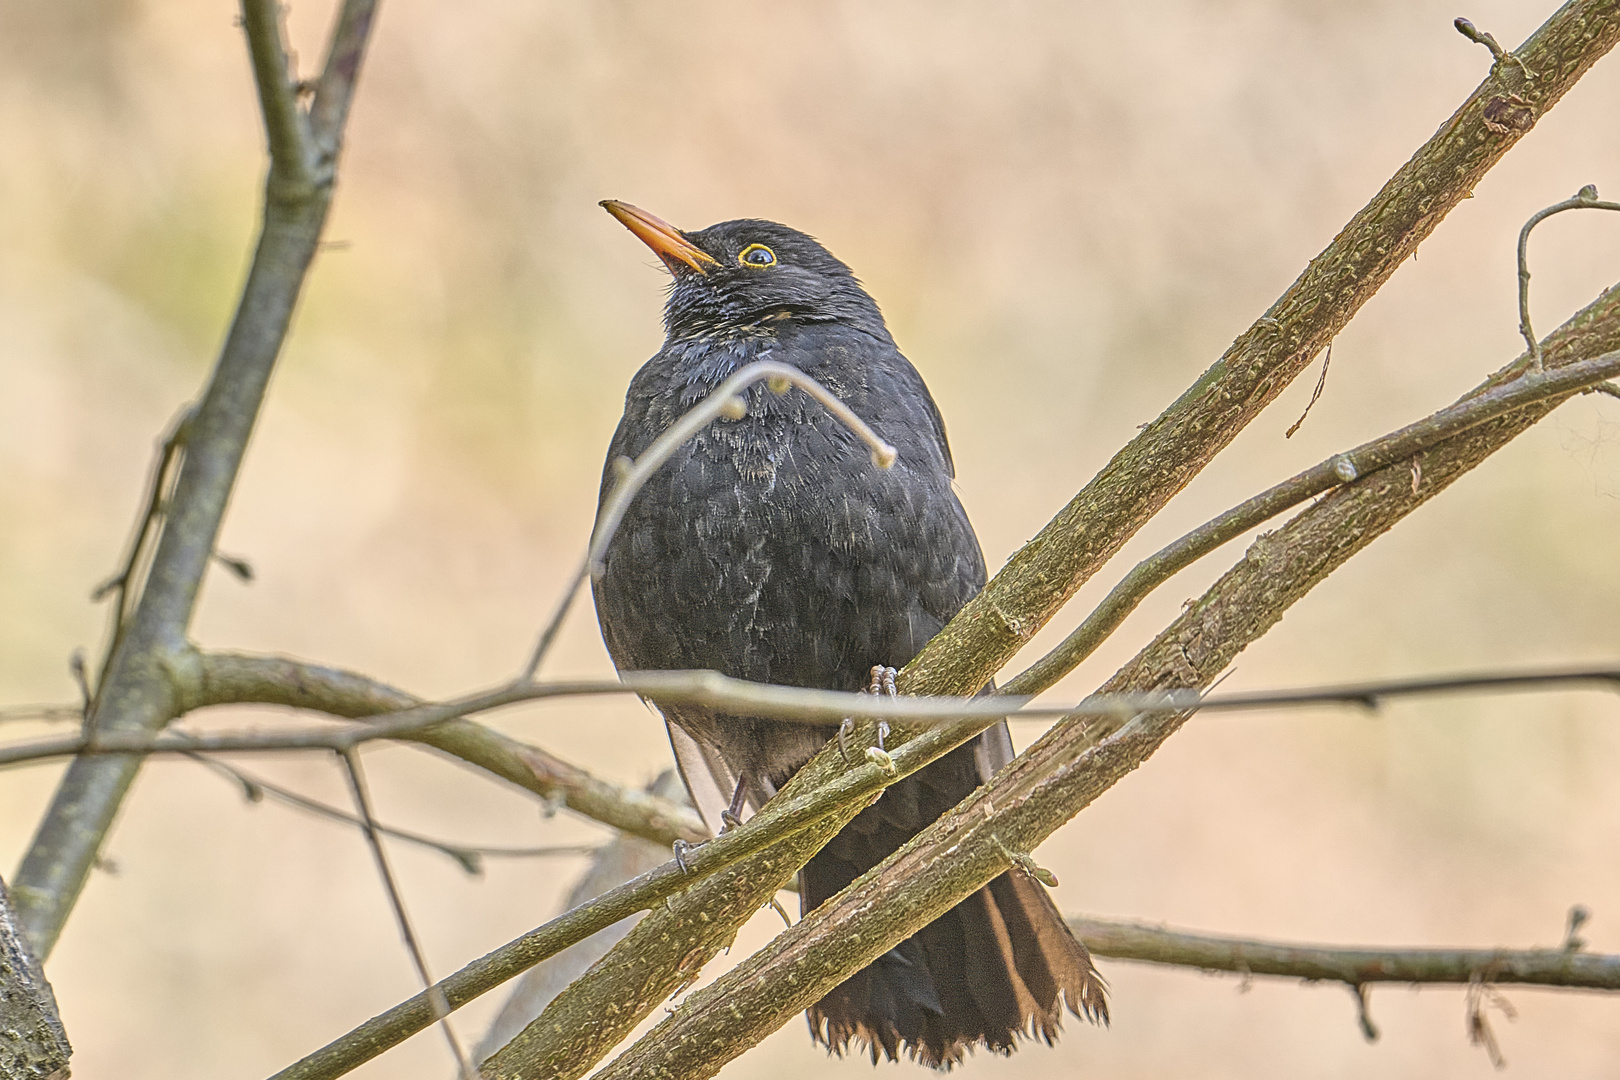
x=999 y=967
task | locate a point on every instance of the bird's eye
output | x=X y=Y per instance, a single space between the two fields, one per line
x=757 y=255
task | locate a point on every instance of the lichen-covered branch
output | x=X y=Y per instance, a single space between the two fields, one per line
x=1169 y=452
x=1074 y=762
x=1158 y=463
x=33 y=1043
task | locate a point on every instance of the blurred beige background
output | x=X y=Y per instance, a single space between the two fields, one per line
x=1067 y=211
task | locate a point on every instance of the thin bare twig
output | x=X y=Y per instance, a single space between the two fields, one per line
x=362 y=805
x=468 y=856
x=1498 y=54
x=800 y=705
x=1584 y=199
x=1479 y=970
x=1352 y=966
x=334 y=89
x=1316 y=394
x=723 y=401
x=49 y=713
x=292 y=146
x=231 y=678
x=125 y=583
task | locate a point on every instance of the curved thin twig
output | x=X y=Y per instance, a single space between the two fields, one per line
x=723 y=401
x=1584 y=199
x=467 y=856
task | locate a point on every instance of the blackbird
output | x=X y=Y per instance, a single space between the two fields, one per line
x=770 y=548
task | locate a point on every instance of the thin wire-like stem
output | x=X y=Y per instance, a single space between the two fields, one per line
x=722 y=401
x=549 y=633
x=800 y=705
x=125 y=583
x=1584 y=199
x=14 y=714
x=441 y=1007
x=468 y=856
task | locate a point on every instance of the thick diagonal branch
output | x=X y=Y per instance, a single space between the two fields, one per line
x=1076 y=761
x=1158 y=463
x=1169 y=452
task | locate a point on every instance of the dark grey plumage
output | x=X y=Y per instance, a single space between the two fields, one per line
x=770 y=548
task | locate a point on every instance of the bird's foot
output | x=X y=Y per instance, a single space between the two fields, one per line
x=882 y=684
x=782 y=911
x=731 y=816
x=882 y=760
x=681 y=849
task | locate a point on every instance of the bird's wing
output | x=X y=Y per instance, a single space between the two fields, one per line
x=708 y=780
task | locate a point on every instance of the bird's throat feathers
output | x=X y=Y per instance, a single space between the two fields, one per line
x=700 y=364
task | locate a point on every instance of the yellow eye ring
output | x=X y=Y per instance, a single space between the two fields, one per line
x=756 y=257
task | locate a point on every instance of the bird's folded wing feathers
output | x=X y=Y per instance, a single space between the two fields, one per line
x=707 y=778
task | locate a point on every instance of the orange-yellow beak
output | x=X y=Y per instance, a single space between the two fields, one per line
x=665 y=239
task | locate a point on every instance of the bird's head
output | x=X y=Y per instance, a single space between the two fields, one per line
x=748 y=272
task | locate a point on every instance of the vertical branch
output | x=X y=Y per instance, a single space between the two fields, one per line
x=292 y=148
x=137 y=691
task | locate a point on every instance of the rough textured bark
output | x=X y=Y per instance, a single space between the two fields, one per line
x=1159 y=462
x=1153 y=467
x=33 y=1043
x=1076 y=761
